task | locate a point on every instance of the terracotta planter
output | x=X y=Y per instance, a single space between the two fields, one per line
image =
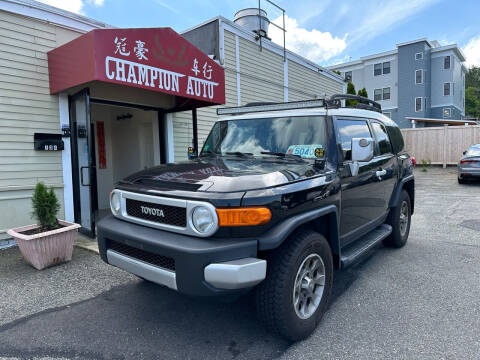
x=48 y=248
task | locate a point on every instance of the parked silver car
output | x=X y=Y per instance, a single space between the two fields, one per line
x=469 y=164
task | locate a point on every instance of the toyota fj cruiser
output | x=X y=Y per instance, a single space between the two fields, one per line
x=280 y=195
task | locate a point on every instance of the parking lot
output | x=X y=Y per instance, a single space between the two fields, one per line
x=419 y=302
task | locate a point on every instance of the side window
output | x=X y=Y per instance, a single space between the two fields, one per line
x=349 y=129
x=382 y=138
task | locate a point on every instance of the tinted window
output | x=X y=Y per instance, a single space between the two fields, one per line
x=396 y=138
x=382 y=138
x=349 y=129
x=348 y=76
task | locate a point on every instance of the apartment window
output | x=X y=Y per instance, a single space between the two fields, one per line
x=377 y=94
x=446 y=89
x=419 y=56
x=348 y=76
x=388 y=114
x=419 y=76
x=418 y=104
x=386 y=93
x=447 y=113
x=446 y=62
x=386 y=67
x=377 y=69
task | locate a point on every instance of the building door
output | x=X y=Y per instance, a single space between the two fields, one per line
x=83 y=162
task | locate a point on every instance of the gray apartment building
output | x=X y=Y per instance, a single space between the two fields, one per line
x=420 y=83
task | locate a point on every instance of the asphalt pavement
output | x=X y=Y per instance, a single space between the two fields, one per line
x=418 y=302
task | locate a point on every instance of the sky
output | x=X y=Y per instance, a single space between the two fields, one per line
x=327 y=32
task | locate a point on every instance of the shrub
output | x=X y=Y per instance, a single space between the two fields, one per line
x=425 y=163
x=45 y=207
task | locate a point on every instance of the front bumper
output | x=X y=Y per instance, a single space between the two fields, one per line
x=202 y=266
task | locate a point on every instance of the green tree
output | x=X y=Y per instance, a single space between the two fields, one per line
x=363 y=92
x=351 y=91
x=472 y=77
x=45 y=207
x=472 y=101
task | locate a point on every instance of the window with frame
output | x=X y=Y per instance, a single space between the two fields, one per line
x=446 y=62
x=381 y=136
x=418 y=104
x=377 y=69
x=419 y=56
x=386 y=67
x=446 y=89
x=377 y=94
x=388 y=114
x=386 y=93
x=348 y=76
x=419 y=76
x=349 y=129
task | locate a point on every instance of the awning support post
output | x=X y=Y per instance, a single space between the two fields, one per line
x=195 y=132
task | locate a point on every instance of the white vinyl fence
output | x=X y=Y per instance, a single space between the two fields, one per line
x=440 y=145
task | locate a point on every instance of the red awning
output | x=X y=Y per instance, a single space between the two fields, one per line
x=156 y=59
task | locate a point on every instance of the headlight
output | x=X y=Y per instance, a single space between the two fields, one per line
x=203 y=219
x=115 y=202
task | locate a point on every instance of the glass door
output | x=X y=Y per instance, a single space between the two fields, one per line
x=83 y=163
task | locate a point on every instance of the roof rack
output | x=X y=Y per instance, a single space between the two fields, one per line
x=363 y=102
x=260 y=107
x=334 y=102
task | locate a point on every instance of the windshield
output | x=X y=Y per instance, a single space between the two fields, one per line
x=303 y=136
x=474 y=151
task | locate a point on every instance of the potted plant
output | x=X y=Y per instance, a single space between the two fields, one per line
x=50 y=241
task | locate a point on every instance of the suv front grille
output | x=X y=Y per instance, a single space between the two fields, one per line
x=164 y=262
x=172 y=215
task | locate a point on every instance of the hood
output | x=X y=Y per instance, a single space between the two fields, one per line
x=223 y=174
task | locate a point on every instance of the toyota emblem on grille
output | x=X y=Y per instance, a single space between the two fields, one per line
x=152 y=211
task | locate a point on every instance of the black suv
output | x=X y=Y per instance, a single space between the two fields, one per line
x=280 y=195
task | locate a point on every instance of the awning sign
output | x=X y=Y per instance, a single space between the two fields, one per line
x=156 y=59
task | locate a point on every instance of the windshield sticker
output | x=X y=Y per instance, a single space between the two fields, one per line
x=306 y=151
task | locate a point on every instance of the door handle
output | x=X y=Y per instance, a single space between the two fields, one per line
x=381 y=173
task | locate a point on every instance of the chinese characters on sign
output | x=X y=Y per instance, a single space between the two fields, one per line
x=124 y=70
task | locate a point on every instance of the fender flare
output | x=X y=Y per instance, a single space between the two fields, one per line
x=395 y=199
x=277 y=235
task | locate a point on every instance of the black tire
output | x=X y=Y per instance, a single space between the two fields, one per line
x=274 y=297
x=398 y=238
x=461 y=181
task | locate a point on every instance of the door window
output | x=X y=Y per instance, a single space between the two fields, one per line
x=381 y=135
x=349 y=129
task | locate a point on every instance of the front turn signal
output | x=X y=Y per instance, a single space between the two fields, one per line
x=247 y=216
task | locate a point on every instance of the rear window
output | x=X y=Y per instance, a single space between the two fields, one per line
x=474 y=151
x=382 y=138
x=396 y=139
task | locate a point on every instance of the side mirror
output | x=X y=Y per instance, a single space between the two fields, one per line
x=464 y=153
x=362 y=151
